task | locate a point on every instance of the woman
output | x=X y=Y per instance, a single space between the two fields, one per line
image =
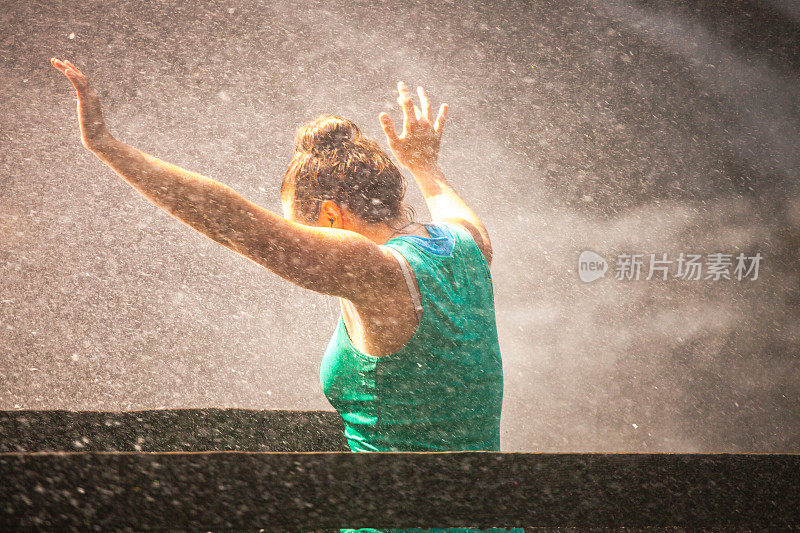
x=414 y=363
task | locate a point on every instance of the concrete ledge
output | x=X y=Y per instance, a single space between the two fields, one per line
x=172 y=430
x=162 y=486
x=314 y=490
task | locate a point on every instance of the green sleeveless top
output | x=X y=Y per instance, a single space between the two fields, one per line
x=443 y=391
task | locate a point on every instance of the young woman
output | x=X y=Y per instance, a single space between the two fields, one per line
x=414 y=362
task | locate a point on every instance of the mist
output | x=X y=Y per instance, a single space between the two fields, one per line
x=609 y=126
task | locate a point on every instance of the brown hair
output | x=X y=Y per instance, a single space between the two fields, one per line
x=334 y=161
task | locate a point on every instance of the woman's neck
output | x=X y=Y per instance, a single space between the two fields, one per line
x=380 y=233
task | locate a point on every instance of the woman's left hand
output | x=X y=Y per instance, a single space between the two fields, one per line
x=94 y=133
x=418 y=146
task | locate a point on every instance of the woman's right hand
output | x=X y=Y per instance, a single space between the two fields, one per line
x=417 y=147
x=94 y=132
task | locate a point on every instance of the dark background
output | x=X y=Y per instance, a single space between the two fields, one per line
x=639 y=127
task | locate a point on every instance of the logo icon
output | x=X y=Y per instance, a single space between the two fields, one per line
x=591 y=266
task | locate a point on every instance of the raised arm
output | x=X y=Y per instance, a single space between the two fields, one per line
x=326 y=260
x=417 y=149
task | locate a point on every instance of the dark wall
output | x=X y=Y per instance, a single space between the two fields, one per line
x=171 y=430
x=193 y=469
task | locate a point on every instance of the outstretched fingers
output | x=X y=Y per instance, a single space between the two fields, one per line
x=424 y=103
x=73 y=68
x=72 y=73
x=440 y=120
x=388 y=128
x=409 y=113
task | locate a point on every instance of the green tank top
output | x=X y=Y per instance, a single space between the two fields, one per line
x=443 y=390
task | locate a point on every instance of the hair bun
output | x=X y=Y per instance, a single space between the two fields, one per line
x=325 y=133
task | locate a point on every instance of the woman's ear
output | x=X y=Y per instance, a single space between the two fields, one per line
x=330 y=215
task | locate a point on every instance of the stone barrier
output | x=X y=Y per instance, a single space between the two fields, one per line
x=250 y=482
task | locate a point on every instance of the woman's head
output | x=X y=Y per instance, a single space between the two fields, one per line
x=334 y=161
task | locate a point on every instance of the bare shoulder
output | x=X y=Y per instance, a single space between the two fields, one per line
x=485 y=247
